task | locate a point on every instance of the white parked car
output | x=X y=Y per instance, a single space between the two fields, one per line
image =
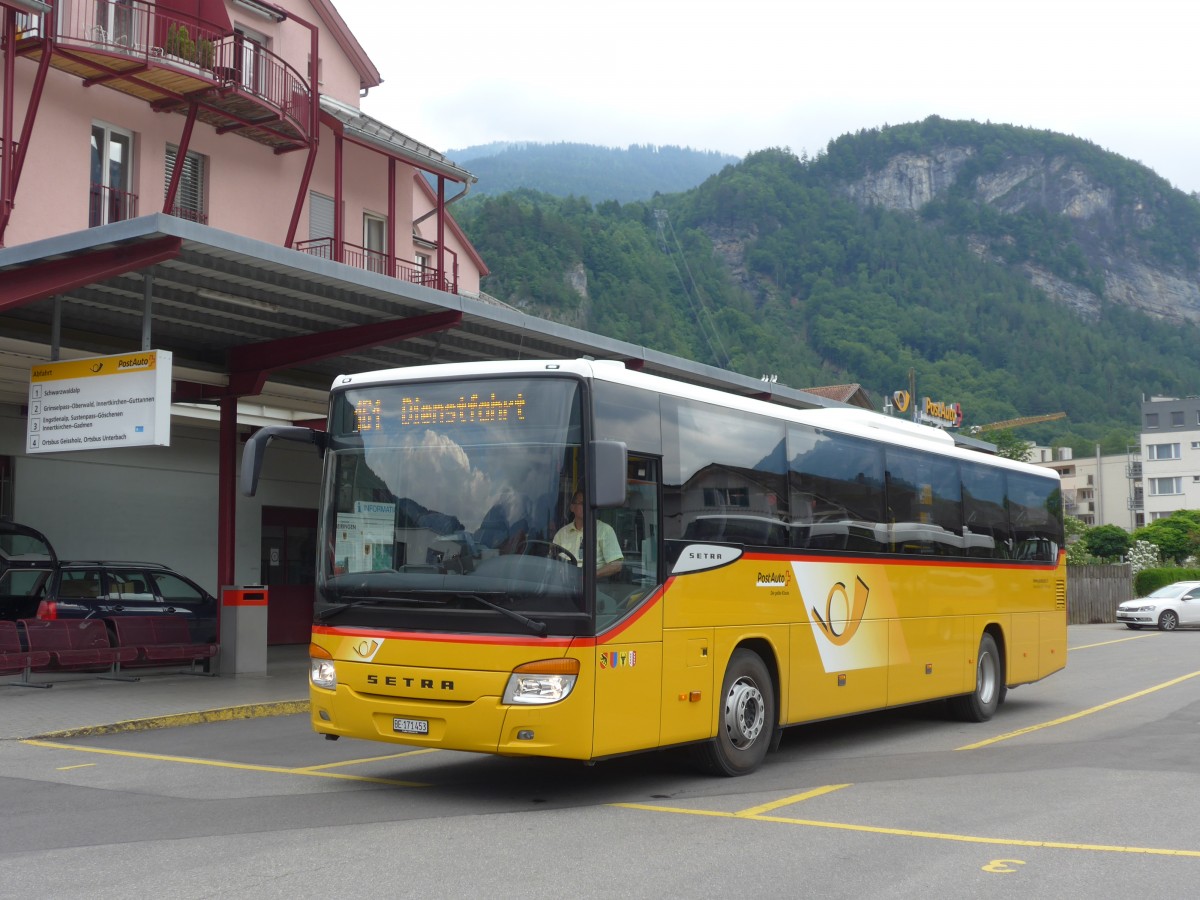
x=1167 y=608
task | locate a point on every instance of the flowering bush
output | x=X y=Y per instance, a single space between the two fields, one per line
x=1143 y=555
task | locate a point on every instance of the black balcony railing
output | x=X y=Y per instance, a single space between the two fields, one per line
x=139 y=30
x=376 y=261
x=107 y=205
x=192 y=215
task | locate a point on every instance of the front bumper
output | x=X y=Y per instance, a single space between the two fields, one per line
x=1136 y=618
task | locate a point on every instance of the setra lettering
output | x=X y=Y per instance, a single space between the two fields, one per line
x=424 y=684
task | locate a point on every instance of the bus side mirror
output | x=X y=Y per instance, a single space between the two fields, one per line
x=609 y=462
x=256 y=446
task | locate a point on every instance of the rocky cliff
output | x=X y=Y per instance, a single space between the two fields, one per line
x=1100 y=220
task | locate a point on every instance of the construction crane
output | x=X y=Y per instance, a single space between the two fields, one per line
x=1015 y=423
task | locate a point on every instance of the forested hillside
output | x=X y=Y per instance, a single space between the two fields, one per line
x=797 y=267
x=636 y=172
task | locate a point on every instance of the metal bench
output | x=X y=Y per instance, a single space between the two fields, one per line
x=77 y=645
x=161 y=640
x=15 y=658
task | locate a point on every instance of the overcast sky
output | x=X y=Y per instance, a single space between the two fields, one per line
x=742 y=76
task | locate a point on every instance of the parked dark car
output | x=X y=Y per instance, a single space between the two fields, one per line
x=27 y=562
x=101 y=590
x=34 y=583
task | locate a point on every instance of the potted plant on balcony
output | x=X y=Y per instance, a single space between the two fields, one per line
x=180 y=47
x=205 y=53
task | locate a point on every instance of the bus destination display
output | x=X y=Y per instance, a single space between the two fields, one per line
x=466 y=409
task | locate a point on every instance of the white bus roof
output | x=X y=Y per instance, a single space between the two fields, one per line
x=840 y=417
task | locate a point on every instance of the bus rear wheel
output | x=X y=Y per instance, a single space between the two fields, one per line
x=747 y=718
x=980 y=705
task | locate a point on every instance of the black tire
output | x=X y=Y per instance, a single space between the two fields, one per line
x=1168 y=621
x=747 y=718
x=980 y=705
x=1132 y=627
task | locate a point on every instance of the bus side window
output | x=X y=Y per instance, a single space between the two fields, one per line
x=642 y=516
x=636 y=526
x=1034 y=509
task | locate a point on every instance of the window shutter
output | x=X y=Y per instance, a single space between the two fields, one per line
x=320 y=216
x=189 y=197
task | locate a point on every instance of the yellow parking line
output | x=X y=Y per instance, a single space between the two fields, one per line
x=1120 y=640
x=788 y=801
x=1080 y=714
x=905 y=832
x=367 y=759
x=246 y=767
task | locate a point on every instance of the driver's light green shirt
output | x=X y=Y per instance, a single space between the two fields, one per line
x=608 y=549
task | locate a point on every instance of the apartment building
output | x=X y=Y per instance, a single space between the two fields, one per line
x=1098 y=490
x=241 y=115
x=1170 y=455
x=1153 y=479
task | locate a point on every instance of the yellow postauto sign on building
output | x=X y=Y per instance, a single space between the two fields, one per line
x=100 y=403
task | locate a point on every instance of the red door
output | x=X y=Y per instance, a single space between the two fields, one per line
x=289 y=559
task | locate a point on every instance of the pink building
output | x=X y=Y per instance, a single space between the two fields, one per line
x=241 y=115
x=159 y=164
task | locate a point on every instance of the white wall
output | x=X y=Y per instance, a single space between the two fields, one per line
x=153 y=504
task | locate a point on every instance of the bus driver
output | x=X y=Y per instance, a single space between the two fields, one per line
x=609 y=558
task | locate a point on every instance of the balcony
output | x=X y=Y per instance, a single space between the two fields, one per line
x=171 y=61
x=180 y=211
x=377 y=261
x=107 y=205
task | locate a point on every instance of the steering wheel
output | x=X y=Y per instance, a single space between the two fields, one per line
x=552 y=550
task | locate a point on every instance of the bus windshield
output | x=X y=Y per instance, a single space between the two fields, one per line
x=442 y=500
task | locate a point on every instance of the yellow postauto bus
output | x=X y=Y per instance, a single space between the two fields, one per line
x=751 y=566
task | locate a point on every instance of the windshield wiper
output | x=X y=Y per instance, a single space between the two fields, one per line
x=534 y=626
x=330 y=611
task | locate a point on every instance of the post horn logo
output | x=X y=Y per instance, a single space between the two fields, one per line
x=901 y=400
x=366 y=649
x=849 y=610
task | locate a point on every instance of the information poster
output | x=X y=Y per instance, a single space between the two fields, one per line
x=365 y=540
x=100 y=403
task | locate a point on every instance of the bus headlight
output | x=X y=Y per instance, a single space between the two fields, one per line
x=322 y=672
x=546 y=681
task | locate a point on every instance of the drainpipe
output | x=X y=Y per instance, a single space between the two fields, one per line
x=441 y=233
x=391 y=218
x=466 y=190
x=339 y=218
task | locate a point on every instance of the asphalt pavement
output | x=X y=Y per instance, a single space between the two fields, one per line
x=80 y=703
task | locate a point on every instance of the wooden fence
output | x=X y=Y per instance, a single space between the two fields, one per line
x=1093 y=592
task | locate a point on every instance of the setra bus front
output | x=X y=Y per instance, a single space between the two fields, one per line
x=446 y=614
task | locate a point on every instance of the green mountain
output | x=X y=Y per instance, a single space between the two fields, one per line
x=637 y=172
x=1015 y=271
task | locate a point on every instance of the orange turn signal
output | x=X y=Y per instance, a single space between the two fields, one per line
x=562 y=666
